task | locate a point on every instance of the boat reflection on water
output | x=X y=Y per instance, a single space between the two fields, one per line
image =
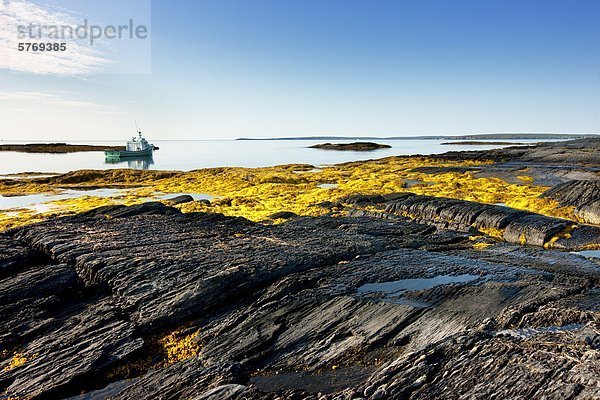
x=142 y=162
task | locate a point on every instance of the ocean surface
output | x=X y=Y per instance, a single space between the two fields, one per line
x=188 y=155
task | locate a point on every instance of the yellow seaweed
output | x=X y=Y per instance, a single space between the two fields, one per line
x=178 y=348
x=256 y=193
x=18 y=360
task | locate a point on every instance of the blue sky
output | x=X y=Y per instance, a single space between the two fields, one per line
x=231 y=68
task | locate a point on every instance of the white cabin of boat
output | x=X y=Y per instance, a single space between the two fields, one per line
x=138 y=143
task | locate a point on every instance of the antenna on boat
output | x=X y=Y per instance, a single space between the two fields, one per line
x=137 y=129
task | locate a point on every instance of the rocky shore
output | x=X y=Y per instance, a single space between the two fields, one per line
x=55 y=148
x=383 y=293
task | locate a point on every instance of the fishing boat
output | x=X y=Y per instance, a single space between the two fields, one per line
x=136 y=147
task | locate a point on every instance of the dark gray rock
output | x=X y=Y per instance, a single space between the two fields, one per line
x=29 y=299
x=14 y=256
x=583 y=195
x=120 y=211
x=283 y=215
x=326 y=204
x=537 y=230
x=184 y=198
x=190 y=379
x=178 y=250
x=482 y=365
x=549 y=164
x=517 y=226
x=363 y=199
x=347 y=307
x=84 y=344
x=582 y=152
x=397 y=196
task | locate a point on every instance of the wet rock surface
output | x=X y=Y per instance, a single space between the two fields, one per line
x=312 y=308
x=583 y=195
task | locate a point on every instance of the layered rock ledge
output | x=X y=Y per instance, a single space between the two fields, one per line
x=145 y=302
x=584 y=196
x=514 y=226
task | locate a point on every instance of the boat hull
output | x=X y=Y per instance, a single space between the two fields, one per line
x=127 y=154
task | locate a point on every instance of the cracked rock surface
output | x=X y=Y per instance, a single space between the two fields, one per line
x=312 y=308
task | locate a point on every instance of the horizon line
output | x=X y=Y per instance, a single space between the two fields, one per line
x=506 y=135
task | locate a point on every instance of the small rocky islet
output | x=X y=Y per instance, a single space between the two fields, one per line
x=355 y=146
x=375 y=293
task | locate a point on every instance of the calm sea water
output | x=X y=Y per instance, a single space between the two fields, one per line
x=188 y=155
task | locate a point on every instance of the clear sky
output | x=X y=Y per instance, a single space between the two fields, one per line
x=264 y=68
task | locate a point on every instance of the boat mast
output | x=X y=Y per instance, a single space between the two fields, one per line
x=137 y=129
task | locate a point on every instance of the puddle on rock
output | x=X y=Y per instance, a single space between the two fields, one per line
x=328 y=185
x=394 y=291
x=413 y=285
x=308 y=172
x=39 y=203
x=588 y=253
x=526 y=333
x=36 y=202
x=413 y=182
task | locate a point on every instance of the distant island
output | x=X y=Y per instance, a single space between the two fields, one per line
x=57 y=148
x=482 y=136
x=481 y=143
x=356 y=146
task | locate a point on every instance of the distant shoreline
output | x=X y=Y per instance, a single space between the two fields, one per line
x=56 y=148
x=483 y=136
x=481 y=143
